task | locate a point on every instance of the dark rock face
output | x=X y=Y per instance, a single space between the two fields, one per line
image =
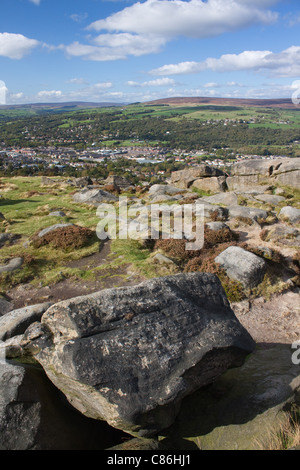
x=129 y=355
x=34 y=415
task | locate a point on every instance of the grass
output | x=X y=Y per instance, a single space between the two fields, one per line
x=45 y=264
x=287 y=436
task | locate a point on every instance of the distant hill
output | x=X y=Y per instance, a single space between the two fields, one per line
x=62 y=106
x=285 y=103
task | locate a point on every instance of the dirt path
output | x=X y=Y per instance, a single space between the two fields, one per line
x=273 y=321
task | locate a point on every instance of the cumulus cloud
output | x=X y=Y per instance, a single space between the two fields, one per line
x=282 y=64
x=194 y=18
x=145 y=27
x=36 y=2
x=16 y=46
x=116 y=46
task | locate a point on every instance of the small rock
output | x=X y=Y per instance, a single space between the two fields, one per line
x=13 y=265
x=291 y=214
x=242 y=266
x=57 y=214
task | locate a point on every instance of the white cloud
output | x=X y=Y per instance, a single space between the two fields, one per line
x=145 y=27
x=283 y=64
x=157 y=82
x=36 y=2
x=49 y=94
x=16 y=46
x=3 y=91
x=193 y=18
x=116 y=46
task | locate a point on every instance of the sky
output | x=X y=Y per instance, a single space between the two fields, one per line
x=124 y=51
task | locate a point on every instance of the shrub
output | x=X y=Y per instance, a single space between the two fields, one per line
x=176 y=249
x=264 y=234
x=71 y=237
x=215 y=237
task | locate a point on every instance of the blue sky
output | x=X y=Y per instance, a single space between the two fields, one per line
x=127 y=51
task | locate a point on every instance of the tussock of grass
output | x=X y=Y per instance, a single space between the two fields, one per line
x=286 y=437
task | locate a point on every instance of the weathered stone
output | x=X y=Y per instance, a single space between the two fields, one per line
x=185 y=178
x=284 y=172
x=83 y=182
x=248 y=213
x=129 y=355
x=270 y=199
x=5 y=306
x=162 y=259
x=291 y=214
x=8 y=238
x=225 y=199
x=164 y=189
x=57 y=214
x=282 y=232
x=214 y=184
x=118 y=181
x=216 y=226
x=12 y=265
x=242 y=266
x=35 y=416
x=16 y=321
x=94 y=196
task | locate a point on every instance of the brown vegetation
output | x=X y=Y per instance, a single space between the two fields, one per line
x=65 y=238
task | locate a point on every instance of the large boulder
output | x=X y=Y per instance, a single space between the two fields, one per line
x=212 y=185
x=242 y=266
x=284 y=172
x=117 y=181
x=129 y=355
x=185 y=178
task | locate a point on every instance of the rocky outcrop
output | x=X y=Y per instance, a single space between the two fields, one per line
x=129 y=355
x=119 y=182
x=93 y=196
x=283 y=172
x=197 y=177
